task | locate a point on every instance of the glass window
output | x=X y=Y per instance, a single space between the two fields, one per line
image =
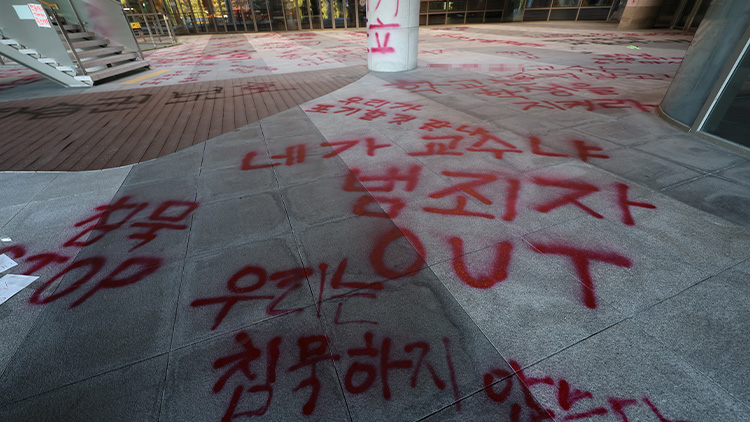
x=455 y=18
x=565 y=3
x=457 y=5
x=596 y=3
x=477 y=4
x=437 y=19
x=475 y=17
x=729 y=118
x=530 y=4
x=438 y=6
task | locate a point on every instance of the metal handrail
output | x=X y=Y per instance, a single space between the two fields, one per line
x=78 y=61
x=78 y=17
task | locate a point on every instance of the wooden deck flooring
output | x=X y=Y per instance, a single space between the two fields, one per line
x=115 y=128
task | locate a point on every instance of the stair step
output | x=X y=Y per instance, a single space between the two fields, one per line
x=71 y=28
x=100 y=51
x=118 y=70
x=9 y=42
x=85 y=79
x=90 y=43
x=47 y=60
x=79 y=35
x=66 y=69
x=114 y=58
x=29 y=52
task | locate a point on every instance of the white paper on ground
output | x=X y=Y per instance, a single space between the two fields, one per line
x=11 y=284
x=6 y=263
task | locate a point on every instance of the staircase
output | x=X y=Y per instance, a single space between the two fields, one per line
x=28 y=57
x=93 y=58
x=97 y=58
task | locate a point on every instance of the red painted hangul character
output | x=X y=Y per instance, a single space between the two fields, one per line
x=439 y=148
x=361 y=376
x=603 y=90
x=415 y=86
x=370 y=144
x=435 y=124
x=320 y=108
x=376 y=103
x=460 y=189
x=312 y=350
x=407 y=106
x=288 y=280
x=424 y=349
x=371 y=115
x=294 y=154
x=500 y=93
x=241 y=363
x=338 y=283
x=402 y=118
x=541 y=104
x=484 y=137
x=348 y=110
x=355 y=182
x=164 y=217
x=538 y=412
x=588 y=104
x=108 y=218
x=468 y=84
x=352 y=100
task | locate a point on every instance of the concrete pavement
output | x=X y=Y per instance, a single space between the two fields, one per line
x=506 y=233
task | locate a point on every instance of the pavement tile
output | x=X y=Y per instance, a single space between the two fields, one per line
x=232 y=182
x=739 y=173
x=56 y=212
x=630 y=268
x=705 y=240
x=708 y=326
x=527 y=304
x=126 y=394
x=95 y=328
x=688 y=150
x=504 y=400
x=267 y=277
x=390 y=339
x=717 y=196
x=185 y=163
x=229 y=153
x=288 y=374
x=20 y=188
x=375 y=248
x=73 y=184
x=624 y=368
x=324 y=200
x=236 y=221
x=646 y=169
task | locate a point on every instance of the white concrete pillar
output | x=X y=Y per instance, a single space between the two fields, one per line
x=392 y=35
x=640 y=14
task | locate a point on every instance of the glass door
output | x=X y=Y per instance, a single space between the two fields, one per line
x=729 y=116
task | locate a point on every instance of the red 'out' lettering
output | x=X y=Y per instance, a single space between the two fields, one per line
x=582 y=259
x=500 y=267
x=625 y=204
x=377 y=257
